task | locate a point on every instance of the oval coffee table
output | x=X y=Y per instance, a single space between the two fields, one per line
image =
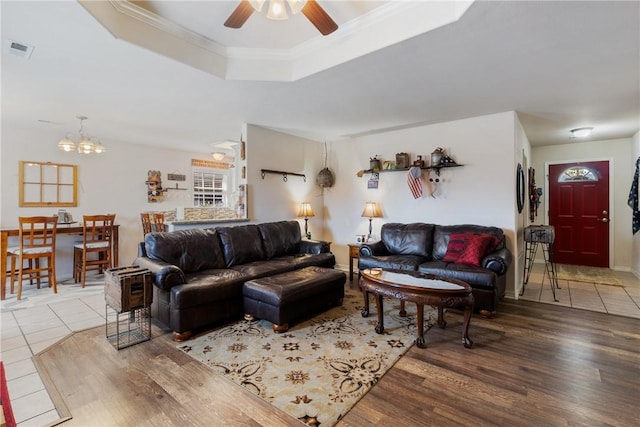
x=422 y=289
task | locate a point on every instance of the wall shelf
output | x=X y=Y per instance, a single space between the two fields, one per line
x=429 y=168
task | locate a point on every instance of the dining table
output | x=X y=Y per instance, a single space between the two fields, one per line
x=62 y=228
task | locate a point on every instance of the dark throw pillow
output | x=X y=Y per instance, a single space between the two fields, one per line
x=474 y=249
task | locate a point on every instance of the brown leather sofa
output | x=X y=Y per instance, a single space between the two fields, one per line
x=199 y=273
x=422 y=247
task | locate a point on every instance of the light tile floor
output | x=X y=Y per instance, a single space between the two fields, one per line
x=621 y=300
x=42 y=318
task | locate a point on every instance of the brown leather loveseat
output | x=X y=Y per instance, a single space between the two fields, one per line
x=472 y=253
x=199 y=273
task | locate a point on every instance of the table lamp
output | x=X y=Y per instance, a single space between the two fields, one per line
x=371 y=210
x=305 y=211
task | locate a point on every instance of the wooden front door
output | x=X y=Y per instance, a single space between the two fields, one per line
x=579 y=211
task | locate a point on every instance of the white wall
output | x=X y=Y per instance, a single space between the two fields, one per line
x=272 y=199
x=481 y=192
x=113 y=182
x=619 y=153
x=522 y=156
x=635 y=252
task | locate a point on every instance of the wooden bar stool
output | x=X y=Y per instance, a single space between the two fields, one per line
x=96 y=239
x=37 y=239
x=152 y=221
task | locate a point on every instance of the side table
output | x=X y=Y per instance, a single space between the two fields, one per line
x=354 y=253
x=128 y=295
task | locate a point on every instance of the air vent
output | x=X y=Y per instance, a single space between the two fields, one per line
x=19 y=49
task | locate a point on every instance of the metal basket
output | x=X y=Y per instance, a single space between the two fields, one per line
x=539 y=233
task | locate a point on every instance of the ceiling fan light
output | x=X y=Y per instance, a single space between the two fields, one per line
x=277 y=10
x=296 y=5
x=581 y=132
x=256 y=4
x=85 y=146
x=98 y=148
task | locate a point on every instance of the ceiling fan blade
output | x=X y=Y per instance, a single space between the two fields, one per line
x=240 y=15
x=318 y=17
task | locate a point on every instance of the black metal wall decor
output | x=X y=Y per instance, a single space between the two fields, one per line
x=520 y=187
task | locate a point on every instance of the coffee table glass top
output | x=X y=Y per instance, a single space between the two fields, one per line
x=410 y=280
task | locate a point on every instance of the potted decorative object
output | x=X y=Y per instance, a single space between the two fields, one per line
x=436 y=155
x=374 y=163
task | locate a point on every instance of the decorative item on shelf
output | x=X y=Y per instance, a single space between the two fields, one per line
x=374 y=163
x=373 y=181
x=155 y=192
x=419 y=162
x=361 y=238
x=325 y=177
x=86 y=144
x=436 y=155
x=305 y=211
x=402 y=160
x=446 y=160
x=388 y=165
x=371 y=210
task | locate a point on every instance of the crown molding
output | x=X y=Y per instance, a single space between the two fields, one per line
x=386 y=25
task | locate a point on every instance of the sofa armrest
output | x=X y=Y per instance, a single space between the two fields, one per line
x=314 y=246
x=373 y=248
x=165 y=275
x=498 y=261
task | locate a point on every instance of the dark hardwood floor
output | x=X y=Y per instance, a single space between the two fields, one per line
x=533 y=365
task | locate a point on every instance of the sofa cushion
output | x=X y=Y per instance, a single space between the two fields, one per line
x=324 y=259
x=442 y=233
x=257 y=269
x=208 y=286
x=190 y=250
x=393 y=262
x=241 y=244
x=408 y=239
x=477 y=277
x=280 y=238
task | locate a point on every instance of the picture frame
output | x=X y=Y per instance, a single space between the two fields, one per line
x=372 y=184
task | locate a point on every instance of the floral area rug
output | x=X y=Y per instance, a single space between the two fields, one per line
x=579 y=273
x=319 y=368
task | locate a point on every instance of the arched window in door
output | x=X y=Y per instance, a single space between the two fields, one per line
x=578 y=174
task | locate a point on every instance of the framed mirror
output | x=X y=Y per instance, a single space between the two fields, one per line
x=48 y=184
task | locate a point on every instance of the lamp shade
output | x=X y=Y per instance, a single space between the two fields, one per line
x=304 y=210
x=372 y=210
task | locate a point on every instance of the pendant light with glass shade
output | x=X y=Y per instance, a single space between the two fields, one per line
x=85 y=145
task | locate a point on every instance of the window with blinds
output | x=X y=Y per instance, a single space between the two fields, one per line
x=209 y=188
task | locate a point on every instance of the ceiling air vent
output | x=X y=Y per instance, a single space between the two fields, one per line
x=19 y=49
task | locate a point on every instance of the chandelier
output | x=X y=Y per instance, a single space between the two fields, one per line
x=277 y=9
x=85 y=145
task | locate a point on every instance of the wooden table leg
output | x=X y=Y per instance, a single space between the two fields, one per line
x=466 y=341
x=441 y=322
x=403 y=312
x=420 y=338
x=365 y=310
x=380 y=325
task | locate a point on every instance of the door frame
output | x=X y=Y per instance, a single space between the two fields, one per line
x=611 y=194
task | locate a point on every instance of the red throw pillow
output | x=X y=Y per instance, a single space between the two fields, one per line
x=455 y=247
x=474 y=249
x=494 y=241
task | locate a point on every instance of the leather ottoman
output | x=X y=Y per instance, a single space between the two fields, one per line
x=289 y=296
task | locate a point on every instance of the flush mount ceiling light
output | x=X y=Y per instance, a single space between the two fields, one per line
x=86 y=144
x=581 y=132
x=218 y=155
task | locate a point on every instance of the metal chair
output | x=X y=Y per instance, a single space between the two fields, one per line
x=37 y=240
x=96 y=239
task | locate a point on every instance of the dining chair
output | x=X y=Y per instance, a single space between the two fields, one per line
x=152 y=221
x=95 y=250
x=37 y=240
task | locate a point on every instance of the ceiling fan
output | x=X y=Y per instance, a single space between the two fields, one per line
x=309 y=8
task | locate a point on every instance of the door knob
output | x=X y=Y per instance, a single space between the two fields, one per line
x=604 y=219
x=604 y=212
